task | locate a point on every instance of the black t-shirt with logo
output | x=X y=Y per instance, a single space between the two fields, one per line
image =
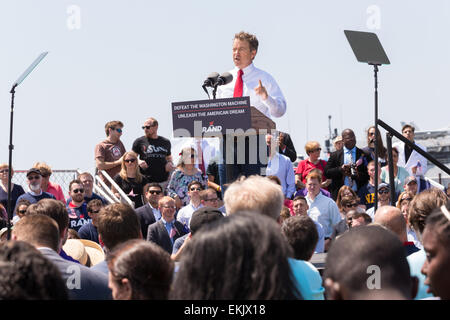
x=154 y=153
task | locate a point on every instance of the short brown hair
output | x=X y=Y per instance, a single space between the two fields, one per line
x=408 y=126
x=313 y=174
x=52 y=208
x=112 y=125
x=38 y=230
x=250 y=38
x=117 y=223
x=310 y=146
x=204 y=194
x=94 y=203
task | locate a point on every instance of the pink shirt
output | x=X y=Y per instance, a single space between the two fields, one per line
x=56 y=190
x=305 y=166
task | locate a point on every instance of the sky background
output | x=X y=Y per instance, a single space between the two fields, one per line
x=128 y=60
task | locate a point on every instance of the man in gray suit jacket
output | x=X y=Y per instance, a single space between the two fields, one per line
x=82 y=283
x=167 y=230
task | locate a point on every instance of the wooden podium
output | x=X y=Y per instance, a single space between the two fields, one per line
x=206 y=118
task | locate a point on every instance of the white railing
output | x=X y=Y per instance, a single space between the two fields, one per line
x=123 y=197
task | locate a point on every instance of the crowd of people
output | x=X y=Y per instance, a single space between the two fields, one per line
x=191 y=233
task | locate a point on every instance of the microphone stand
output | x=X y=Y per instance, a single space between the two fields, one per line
x=11 y=146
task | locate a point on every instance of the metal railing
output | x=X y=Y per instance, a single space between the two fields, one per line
x=101 y=187
x=391 y=133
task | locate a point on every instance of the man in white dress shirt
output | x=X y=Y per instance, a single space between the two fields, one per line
x=261 y=87
x=408 y=158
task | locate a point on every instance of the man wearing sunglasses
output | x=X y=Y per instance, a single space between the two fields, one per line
x=149 y=213
x=77 y=207
x=35 y=194
x=89 y=231
x=155 y=153
x=384 y=198
x=185 y=213
x=109 y=152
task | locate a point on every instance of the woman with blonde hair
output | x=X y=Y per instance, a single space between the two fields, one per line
x=47 y=186
x=313 y=161
x=16 y=190
x=130 y=179
x=185 y=173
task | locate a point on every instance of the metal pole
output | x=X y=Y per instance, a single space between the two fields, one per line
x=391 y=166
x=11 y=147
x=375 y=69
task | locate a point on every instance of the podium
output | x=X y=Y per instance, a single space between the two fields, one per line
x=241 y=128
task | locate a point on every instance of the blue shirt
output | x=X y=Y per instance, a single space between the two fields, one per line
x=169 y=226
x=352 y=152
x=308 y=279
x=281 y=166
x=89 y=232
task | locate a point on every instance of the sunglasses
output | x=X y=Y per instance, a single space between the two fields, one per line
x=4 y=170
x=34 y=178
x=148 y=127
x=117 y=129
x=212 y=199
x=96 y=211
x=406 y=199
x=195 y=189
x=154 y=192
x=318 y=149
x=350 y=205
x=22 y=211
x=383 y=191
x=130 y=160
x=78 y=191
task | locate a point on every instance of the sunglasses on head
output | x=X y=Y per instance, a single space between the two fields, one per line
x=34 y=177
x=78 y=190
x=130 y=160
x=154 y=192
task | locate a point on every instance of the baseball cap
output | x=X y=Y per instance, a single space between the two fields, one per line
x=383 y=185
x=34 y=170
x=410 y=179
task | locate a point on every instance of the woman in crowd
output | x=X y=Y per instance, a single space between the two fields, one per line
x=21 y=209
x=185 y=173
x=345 y=191
x=139 y=270
x=241 y=257
x=370 y=148
x=130 y=179
x=16 y=190
x=313 y=161
x=400 y=173
x=404 y=199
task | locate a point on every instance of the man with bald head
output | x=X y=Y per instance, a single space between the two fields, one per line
x=347 y=166
x=392 y=219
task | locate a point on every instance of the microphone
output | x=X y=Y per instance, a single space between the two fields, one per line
x=224 y=79
x=211 y=79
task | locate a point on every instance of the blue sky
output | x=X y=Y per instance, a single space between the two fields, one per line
x=129 y=60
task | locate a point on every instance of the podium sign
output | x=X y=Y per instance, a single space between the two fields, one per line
x=211 y=117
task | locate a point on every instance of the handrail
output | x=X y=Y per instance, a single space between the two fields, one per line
x=99 y=190
x=119 y=190
x=414 y=146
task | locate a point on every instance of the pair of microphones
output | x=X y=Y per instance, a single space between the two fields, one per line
x=214 y=79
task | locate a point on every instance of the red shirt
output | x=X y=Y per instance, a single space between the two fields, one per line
x=305 y=166
x=56 y=190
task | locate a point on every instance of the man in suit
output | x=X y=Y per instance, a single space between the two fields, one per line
x=341 y=165
x=167 y=230
x=408 y=158
x=149 y=213
x=42 y=232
